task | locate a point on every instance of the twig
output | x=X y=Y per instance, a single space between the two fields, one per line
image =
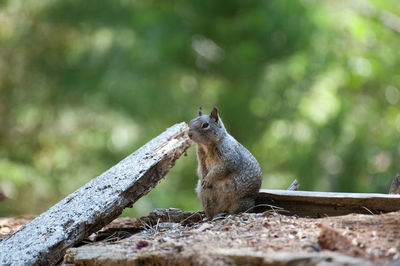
x=190 y=216
x=395 y=186
x=294 y=186
x=274 y=209
x=368 y=210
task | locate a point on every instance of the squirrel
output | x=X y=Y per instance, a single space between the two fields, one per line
x=229 y=175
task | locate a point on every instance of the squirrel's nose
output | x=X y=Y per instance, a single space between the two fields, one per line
x=190 y=134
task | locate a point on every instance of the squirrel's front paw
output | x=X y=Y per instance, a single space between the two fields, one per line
x=205 y=183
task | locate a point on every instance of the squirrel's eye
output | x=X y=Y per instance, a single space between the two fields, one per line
x=204 y=125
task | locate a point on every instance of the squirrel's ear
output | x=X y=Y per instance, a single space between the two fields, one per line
x=200 y=111
x=214 y=114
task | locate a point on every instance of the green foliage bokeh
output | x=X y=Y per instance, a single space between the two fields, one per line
x=310 y=87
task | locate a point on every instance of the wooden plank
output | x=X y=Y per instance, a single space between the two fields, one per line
x=44 y=240
x=320 y=204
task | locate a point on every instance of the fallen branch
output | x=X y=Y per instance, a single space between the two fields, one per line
x=44 y=240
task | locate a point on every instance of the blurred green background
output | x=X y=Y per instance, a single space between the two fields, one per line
x=310 y=87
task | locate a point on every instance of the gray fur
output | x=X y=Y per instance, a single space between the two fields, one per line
x=229 y=175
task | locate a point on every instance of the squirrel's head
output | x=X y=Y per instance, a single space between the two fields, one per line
x=207 y=129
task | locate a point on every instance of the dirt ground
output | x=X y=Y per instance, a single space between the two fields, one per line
x=9 y=225
x=267 y=238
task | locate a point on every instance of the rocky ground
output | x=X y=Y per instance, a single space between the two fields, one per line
x=175 y=237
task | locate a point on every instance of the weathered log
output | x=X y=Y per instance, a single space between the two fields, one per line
x=44 y=240
x=321 y=204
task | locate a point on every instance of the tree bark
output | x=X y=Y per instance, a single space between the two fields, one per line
x=45 y=240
